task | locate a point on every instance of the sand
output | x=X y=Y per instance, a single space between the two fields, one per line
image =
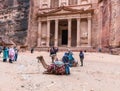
x=101 y=72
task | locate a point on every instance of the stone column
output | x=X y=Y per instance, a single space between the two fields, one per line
x=78 y=2
x=69 y=32
x=48 y=33
x=60 y=3
x=67 y=2
x=56 y=33
x=78 y=32
x=89 y=31
x=100 y=16
x=89 y=1
x=39 y=34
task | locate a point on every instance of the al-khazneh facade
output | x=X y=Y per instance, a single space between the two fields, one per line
x=70 y=23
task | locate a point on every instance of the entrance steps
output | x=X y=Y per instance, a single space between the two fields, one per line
x=76 y=49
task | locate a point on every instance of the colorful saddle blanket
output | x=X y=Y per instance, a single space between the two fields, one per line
x=56 y=69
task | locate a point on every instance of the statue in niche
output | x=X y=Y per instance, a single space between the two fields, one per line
x=44 y=5
x=84 y=36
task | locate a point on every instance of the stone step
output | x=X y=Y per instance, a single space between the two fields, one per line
x=115 y=51
x=76 y=49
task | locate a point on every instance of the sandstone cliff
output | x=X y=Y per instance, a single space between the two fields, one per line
x=14 y=19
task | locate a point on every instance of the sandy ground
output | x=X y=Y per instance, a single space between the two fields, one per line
x=101 y=72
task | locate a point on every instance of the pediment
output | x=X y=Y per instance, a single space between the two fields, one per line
x=62 y=10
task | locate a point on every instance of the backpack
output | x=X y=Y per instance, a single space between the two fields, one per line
x=11 y=53
x=16 y=51
x=81 y=55
x=52 y=51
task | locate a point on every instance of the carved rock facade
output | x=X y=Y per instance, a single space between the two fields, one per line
x=77 y=17
x=88 y=23
x=109 y=11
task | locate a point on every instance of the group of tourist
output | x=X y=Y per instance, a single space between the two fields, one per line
x=10 y=53
x=67 y=57
x=68 y=60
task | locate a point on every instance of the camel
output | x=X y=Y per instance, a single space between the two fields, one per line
x=62 y=69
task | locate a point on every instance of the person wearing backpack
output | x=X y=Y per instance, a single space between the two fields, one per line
x=16 y=54
x=11 y=55
x=53 y=52
x=5 y=54
x=81 y=55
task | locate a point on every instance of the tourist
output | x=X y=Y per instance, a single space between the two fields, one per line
x=16 y=54
x=53 y=52
x=1 y=49
x=99 y=50
x=32 y=50
x=70 y=57
x=5 y=54
x=110 y=50
x=65 y=58
x=11 y=54
x=72 y=61
x=81 y=55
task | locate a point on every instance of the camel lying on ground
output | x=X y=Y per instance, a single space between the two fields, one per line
x=60 y=69
x=73 y=63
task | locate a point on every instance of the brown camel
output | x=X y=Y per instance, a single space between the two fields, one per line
x=53 y=68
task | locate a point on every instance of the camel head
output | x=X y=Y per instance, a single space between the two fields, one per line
x=39 y=58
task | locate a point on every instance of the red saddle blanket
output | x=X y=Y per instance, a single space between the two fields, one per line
x=56 y=69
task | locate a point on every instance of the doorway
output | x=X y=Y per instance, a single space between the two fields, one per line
x=64 y=37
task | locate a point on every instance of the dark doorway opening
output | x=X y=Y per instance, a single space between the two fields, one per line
x=64 y=37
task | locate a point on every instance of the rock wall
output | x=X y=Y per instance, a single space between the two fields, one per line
x=106 y=16
x=110 y=23
x=33 y=25
x=14 y=19
x=115 y=23
x=95 y=30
